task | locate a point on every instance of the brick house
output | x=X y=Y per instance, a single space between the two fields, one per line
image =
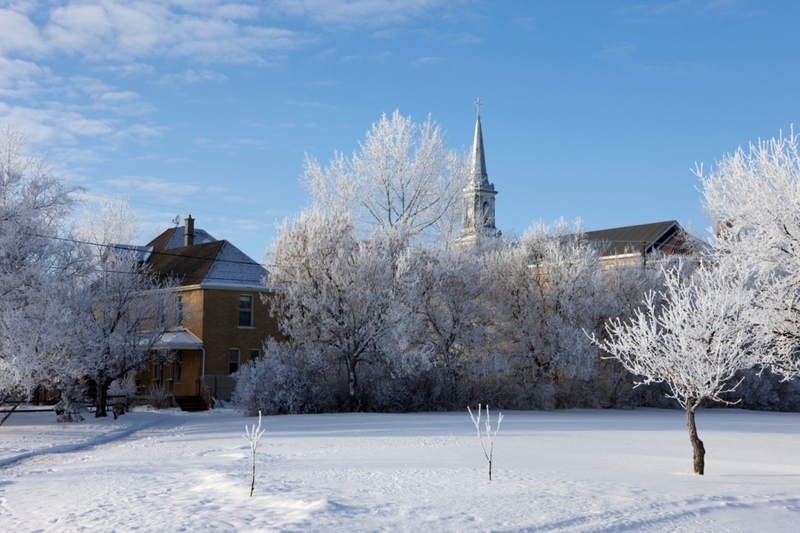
x=223 y=322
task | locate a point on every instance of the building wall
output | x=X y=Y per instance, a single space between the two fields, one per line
x=193 y=311
x=221 y=332
x=213 y=316
x=191 y=367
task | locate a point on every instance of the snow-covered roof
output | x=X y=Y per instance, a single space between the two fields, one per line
x=234 y=267
x=142 y=253
x=207 y=262
x=178 y=339
x=176 y=240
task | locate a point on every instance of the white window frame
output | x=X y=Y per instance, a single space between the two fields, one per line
x=238 y=354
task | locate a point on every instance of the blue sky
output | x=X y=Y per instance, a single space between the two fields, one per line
x=592 y=109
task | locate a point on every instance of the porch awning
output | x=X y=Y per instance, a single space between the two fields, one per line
x=178 y=339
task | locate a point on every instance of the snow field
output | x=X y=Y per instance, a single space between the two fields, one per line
x=575 y=470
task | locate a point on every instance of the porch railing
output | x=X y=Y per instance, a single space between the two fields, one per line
x=204 y=391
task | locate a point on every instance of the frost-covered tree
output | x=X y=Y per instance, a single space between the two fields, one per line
x=443 y=291
x=43 y=342
x=490 y=437
x=754 y=196
x=546 y=289
x=337 y=291
x=131 y=308
x=36 y=258
x=111 y=221
x=694 y=336
x=402 y=181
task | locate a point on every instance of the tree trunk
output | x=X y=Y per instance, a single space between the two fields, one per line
x=352 y=383
x=697 y=444
x=102 y=397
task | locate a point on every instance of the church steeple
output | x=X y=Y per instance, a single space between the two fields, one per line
x=479 y=194
x=479 y=176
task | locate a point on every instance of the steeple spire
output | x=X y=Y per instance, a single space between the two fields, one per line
x=479 y=176
x=479 y=213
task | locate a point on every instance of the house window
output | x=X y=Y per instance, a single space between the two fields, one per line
x=177 y=366
x=245 y=311
x=255 y=354
x=179 y=310
x=158 y=374
x=233 y=360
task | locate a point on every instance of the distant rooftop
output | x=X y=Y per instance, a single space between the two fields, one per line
x=665 y=237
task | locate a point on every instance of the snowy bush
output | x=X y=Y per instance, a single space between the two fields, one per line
x=125 y=386
x=159 y=397
x=284 y=381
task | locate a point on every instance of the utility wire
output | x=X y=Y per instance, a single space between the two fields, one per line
x=152 y=252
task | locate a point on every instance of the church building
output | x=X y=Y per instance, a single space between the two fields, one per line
x=625 y=244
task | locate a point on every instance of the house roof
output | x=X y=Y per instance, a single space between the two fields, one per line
x=141 y=253
x=666 y=237
x=178 y=339
x=173 y=238
x=213 y=262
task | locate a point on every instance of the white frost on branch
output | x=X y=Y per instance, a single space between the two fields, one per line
x=476 y=419
x=754 y=196
x=695 y=335
x=253 y=436
x=403 y=181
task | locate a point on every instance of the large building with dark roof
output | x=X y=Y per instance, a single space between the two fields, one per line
x=628 y=244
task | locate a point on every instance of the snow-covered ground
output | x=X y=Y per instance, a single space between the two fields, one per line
x=553 y=471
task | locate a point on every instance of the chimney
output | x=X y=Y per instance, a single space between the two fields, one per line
x=188 y=231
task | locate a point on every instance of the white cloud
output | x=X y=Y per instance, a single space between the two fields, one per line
x=240 y=200
x=377 y=57
x=353 y=13
x=105 y=97
x=139 y=132
x=229 y=147
x=675 y=69
x=618 y=49
x=125 y=31
x=164 y=189
x=118 y=96
x=426 y=61
x=79 y=155
x=21 y=79
x=54 y=124
x=129 y=69
x=85 y=126
x=19 y=34
x=192 y=76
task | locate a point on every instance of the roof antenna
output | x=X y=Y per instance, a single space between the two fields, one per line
x=176 y=220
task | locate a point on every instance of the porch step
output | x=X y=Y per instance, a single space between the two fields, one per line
x=191 y=403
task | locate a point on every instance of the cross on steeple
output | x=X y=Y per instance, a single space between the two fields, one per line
x=479 y=104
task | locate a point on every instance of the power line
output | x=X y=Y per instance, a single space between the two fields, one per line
x=152 y=252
